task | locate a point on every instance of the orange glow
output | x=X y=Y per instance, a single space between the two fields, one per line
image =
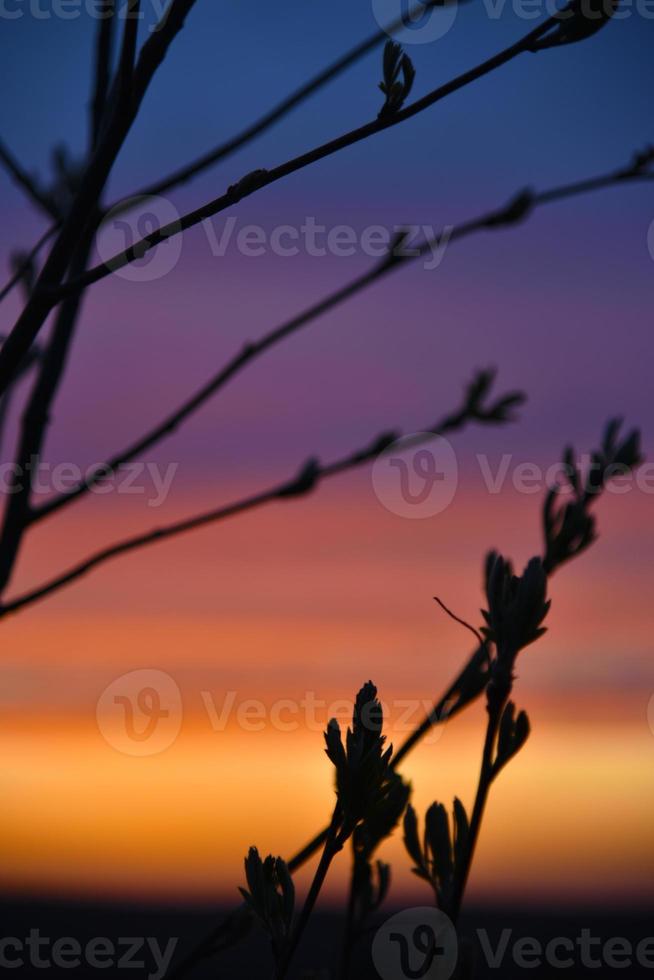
x=246 y=609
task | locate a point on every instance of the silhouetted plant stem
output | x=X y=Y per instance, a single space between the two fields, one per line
x=481 y=798
x=27 y=261
x=348 y=937
x=225 y=149
x=34 y=423
x=88 y=194
x=494 y=219
x=568 y=529
x=52 y=362
x=259 y=179
x=447 y=706
x=104 y=46
x=103 y=56
x=334 y=840
x=567 y=533
x=49 y=290
x=21 y=177
x=350 y=931
x=309 y=476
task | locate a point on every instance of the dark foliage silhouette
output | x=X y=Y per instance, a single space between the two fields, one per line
x=371 y=797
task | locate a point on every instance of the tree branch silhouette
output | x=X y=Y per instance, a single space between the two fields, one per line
x=258 y=179
x=238 y=141
x=518 y=208
x=568 y=531
x=473 y=409
x=114 y=106
x=34 y=422
x=48 y=291
x=36 y=416
x=85 y=202
x=102 y=79
x=29 y=185
x=27 y=261
x=281 y=109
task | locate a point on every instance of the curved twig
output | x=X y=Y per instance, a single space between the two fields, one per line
x=279 y=111
x=310 y=475
x=27 y=262
x=493 y=219
x=259 y=179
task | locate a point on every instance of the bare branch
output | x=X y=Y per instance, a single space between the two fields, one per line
x=466 y=688
x=28 y=261
x=156 y=47
x=258 y=179
x=28 y=183
x=103 y=57
x=303 y=482
x=34 y=422
x=518 y=208
x=128 y=50
x=283 y=108
x=83 y=211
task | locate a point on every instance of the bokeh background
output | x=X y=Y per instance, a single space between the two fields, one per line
x=320 y=594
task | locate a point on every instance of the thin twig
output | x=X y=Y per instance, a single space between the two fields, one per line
x=34 y=423
x=333 y=844
x=263 y=178
x=308 y=478
x=27 y=261
x=283 y=108
x=466 y=688
x=461 y=622
x=35 y=418
x=251 y=351
x=481 y=798
x=227 y=148
x=128 y=50
x=103 y=58
x=28 y=184
x=85 y=202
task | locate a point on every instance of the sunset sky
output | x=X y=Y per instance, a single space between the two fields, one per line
x=317 y=595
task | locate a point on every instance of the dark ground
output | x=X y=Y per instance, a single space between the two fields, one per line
x=83 y=922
